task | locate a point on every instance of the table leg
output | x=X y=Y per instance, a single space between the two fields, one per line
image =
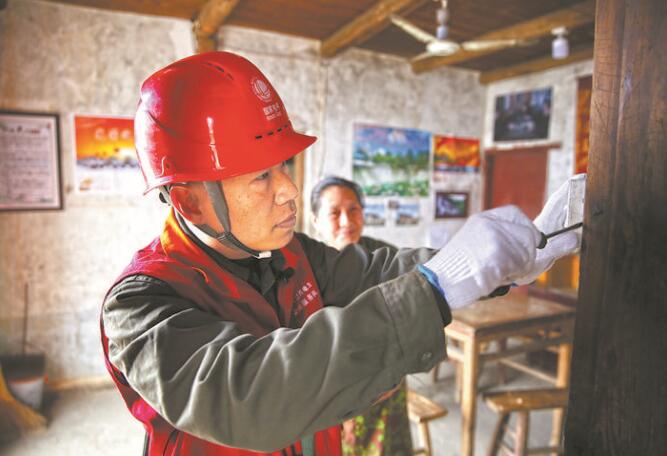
x=562 y=381
x=502 y=346
x=522 y=429
x=459 y=377
x=469 y=396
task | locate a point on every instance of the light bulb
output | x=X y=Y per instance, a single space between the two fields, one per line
x=441 y=32
x=560 y=48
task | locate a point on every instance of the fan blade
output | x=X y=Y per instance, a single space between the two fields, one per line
x=422 y=56
x=443 y=47
x=412 y=29
x=493 y=44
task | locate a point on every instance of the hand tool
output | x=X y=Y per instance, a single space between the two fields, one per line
x=573 y=219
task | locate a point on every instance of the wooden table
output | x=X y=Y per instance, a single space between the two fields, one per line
x=535 y=324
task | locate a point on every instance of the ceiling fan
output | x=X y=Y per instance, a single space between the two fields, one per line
x=439 y=45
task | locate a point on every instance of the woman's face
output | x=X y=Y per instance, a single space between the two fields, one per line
x=340 y=219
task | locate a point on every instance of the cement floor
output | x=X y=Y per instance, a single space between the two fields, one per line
x=95 y=422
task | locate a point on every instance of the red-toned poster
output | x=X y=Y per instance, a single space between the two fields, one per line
x=455 y=154
x=584 y=90
x=105 y=158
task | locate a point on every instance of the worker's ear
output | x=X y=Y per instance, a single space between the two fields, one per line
x=188 y=202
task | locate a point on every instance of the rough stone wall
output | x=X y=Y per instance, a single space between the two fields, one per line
x=562 y=129
x=68 y=60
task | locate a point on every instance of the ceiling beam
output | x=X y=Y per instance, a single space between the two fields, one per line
x=571 y=17
x=534 y=66
x=205 y=26
x=366 y=25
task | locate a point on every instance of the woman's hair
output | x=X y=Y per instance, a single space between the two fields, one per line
x=333 y=181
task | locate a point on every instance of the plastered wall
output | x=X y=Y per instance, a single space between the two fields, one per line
x=69 y=60
x=73 y=60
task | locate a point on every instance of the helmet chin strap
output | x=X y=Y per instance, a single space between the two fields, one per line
x=226 y=238
x=217 y=197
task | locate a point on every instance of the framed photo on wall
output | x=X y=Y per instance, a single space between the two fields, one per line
x=29 y=161
x=451 y=204
x=522 y=115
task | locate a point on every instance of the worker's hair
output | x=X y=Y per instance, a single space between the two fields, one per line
x=333 y=181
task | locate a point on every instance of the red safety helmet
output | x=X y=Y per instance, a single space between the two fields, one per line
x=209 y=117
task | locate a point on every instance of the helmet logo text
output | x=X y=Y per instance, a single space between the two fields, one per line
x=261 y=89
x=272 y=111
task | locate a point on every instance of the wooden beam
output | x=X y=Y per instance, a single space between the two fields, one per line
x=368 y=24
x=205 y=26
x=570 y=17
x=618 y=399
x=533 y=66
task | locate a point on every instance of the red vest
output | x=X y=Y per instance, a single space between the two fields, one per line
x=177 y=260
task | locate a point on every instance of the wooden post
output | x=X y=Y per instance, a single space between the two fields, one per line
x=618 y=396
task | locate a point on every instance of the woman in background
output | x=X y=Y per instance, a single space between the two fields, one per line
x=338 y=217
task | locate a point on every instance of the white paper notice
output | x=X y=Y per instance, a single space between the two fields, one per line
x=28 y=162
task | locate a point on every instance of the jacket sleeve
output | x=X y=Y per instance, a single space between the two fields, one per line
x=210 y=379
x=342 y=275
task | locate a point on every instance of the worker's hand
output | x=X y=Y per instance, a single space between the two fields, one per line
x=492 y=248
x=552 y=218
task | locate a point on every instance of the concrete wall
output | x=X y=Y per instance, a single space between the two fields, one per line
x=562 y=128
x=69 y=60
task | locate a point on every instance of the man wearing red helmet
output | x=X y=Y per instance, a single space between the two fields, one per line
x=229 y=334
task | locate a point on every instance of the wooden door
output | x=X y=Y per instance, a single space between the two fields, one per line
x=516 y=176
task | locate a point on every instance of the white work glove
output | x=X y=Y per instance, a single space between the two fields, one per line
x=552 y=218
x=493 y=248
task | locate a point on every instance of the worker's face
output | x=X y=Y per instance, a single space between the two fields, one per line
x=262 y=208
x=340 y=219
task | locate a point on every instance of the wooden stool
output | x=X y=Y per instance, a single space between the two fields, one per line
x=522 y=402
x=421 y=411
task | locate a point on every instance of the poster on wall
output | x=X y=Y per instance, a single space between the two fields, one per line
x=105 y=158
x=451 y=205
x=408 y=213
x=375 y=213
x=29 y=161
x=522 y=115
x=584 y=91
x=452 y=154
x=391 y=161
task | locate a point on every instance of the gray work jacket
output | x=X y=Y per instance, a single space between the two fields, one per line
x=208 y=378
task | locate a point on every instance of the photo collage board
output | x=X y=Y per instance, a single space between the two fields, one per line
x=403 y=170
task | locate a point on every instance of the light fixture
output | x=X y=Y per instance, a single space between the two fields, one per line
x=560 y=47
x=441 y=17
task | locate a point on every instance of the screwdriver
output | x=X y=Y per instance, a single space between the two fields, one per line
x=501 y=291
x=545 y=237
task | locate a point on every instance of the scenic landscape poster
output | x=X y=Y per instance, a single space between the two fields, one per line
x=452 y=154
x=408 y=213
x=375 y=213
x=391 y=161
